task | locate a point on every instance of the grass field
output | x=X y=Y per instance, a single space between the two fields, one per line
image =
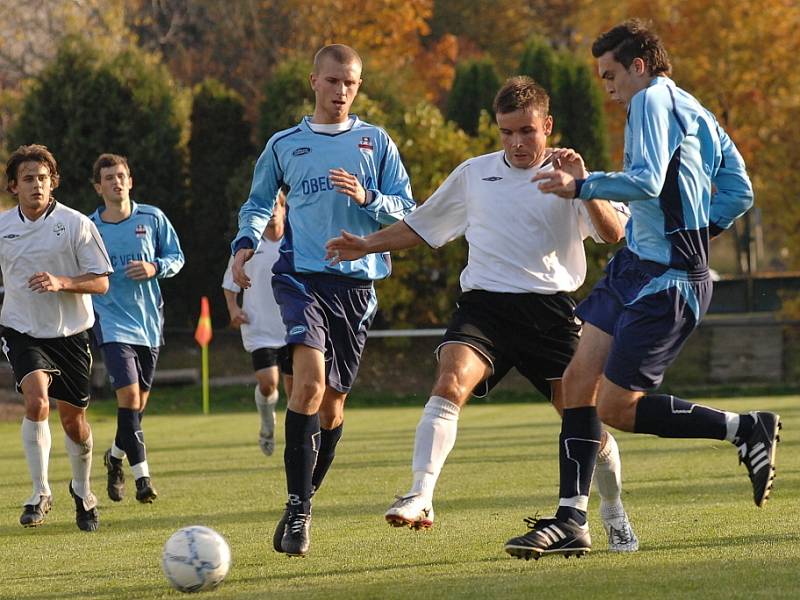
x=690 y=503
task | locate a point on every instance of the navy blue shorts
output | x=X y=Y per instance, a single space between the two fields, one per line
x=650 y=310
x=128 y=364
x=330 y=313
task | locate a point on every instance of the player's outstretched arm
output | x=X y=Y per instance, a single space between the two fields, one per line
x=398 y=236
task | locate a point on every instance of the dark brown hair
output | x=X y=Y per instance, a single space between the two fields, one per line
x=108 y=160
x=521 y=93
x=633 y=39
x=32 y=153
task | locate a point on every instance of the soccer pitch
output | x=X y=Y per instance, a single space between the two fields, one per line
x=690 y=504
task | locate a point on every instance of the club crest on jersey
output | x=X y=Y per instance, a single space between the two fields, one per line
x=301 y=151
x=59 y=228
x=366 y=143
x=141 y=231
x=492 y=178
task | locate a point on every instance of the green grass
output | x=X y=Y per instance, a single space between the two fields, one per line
x=701 y=535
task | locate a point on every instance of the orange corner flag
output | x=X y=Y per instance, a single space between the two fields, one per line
x=203 y=333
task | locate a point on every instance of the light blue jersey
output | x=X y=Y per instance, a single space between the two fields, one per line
x=683 y=176
x=300 y=159
x=132 y=311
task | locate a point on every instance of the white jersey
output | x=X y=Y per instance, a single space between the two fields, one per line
x=61 y=242
x=520 y=239
x=265 y=329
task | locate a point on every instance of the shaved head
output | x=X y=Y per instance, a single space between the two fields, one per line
x=344 y=55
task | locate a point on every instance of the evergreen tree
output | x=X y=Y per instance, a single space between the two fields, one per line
x=286 y=92
x=219 y=144
x=474 y=88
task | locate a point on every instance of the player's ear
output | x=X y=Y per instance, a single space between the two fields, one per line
x=548 y=125
x=97 y=188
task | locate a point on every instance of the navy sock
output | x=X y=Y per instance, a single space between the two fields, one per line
x=578 y=446
x=300 y=455
x=328 y=439
x=670 y=417
x=129 y=435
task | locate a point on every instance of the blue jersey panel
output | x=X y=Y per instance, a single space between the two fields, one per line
x=131 y=311
x=682 y=175
x=301 y=159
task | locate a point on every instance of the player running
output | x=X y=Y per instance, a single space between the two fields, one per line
x=526 y=255
x=685 y=182
x=129 y=327
x=341 y=173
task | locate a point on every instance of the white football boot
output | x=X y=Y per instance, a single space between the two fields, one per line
x=412 y=510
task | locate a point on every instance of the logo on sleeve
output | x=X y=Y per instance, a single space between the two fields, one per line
x=492 y=178
x=59 y=228
x=297 y=330
x=140 y=231
x=366 y=143
x=301 y=151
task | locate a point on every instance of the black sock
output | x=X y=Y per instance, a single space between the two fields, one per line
x=670 y=417
x=130 y=438
x=328 y=439
x=300 y=455
x=578 y=446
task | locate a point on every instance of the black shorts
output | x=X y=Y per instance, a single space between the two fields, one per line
x=68 y=360
x=536 y=333
x=264 y=358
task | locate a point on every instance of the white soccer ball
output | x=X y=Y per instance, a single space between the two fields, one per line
x=195 y=558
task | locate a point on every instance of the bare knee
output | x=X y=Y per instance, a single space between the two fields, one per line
x=449 y=386
x=307 y=393
x=76 y=427
x=267 y=388
x=37 y=408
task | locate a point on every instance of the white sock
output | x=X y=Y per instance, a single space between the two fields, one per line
x=435 y=438
x=36 y=441
x=266 y=410
x=117 y=452
x=80 y=457
x=608 y=478
x=731 y=425
x=141 y=470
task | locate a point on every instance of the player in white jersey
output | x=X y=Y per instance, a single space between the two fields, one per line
x=52 y=259
x=143 y=248
x=526 y=255
x=259 y=318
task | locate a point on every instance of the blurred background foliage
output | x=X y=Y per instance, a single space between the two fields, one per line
x=190 y=90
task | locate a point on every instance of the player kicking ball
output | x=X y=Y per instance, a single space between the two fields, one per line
x=526 y=255
x=685 y=183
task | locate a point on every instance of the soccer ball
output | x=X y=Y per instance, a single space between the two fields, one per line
x=195 y=558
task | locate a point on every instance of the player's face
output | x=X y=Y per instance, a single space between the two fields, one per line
x=524 y=136
x=335 y=87
x=622 y=83
x=33 y=187
x=115 y=184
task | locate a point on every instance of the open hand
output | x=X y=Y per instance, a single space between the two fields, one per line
x=345 y=247
x=348 y=184
x=240 y=278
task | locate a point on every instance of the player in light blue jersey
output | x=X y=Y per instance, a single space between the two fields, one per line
x=144 y=248
x=685 y=182
x=341 y=173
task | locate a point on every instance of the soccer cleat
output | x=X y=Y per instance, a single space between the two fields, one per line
x=297 y=533
x=33 y=514
x=87 y=520
x=550 y=536
x=757 y=452
x=277 y=537
x=116 y=477
x=621 y=537
x=412 y=510
x=145 y=492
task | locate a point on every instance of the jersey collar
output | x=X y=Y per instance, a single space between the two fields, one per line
x=306 y=123
x=50 y=208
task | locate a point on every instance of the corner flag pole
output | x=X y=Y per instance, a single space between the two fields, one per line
x=202 y=336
